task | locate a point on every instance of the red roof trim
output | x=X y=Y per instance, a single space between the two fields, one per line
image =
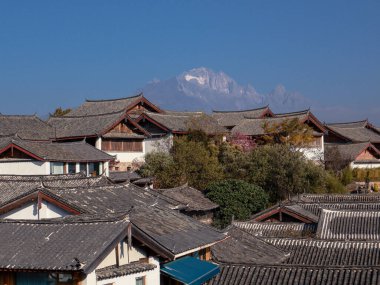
x=123 y=117
x=282 y=210
x=12 y=145
x=34 y=196
x=368 y=147
x=145 y=116
x=59 y=204
x=267 y=111
x=315 y=121
x=146 y=101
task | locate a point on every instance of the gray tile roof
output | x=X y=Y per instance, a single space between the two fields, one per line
x=314 y=252
x=233 y=118
x=255 y=126
x=26 y=127
x=279 y=230
x=14 y=187
x=241 y=274
x=58 y=245
x=179 y=122
x=151 y=215
x=297 y=209
x=63 y=152
x=171 y=231
x=349 y=225
x=127 y=269
x=123 y=176
x=337 y=198
x=348 y=151
x=193 y=199
x=95 y=107
x=361 y=131
x=86 y=125
x=316 y=208
x=242 y=247
x=111 y=199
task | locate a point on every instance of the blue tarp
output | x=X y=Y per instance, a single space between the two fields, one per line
x=190 y=270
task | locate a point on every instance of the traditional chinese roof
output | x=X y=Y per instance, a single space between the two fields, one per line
x=126 y=269
x=245 y=274
x=253 y=126
x=172 y=234
x=13 y=187
x=25 y=126
x=58 y=245
x=289 y=208
x=48 y=151
x=243 y=247
x=349 y=225
x=361 y=131
x=233 y=118
x=193 y=199
x=123 y=176
x=348 y=151
x=316 y=208
x=183 y=122
x=96 y=107
x=92 y=125
x=315 y=252
x=277 y=229
x=337 y=198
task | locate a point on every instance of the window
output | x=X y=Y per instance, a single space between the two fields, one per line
x=71 y=168
x=140 y=280
x=93 y=168
x=83 y=167
x=122 y=145
x=56 y=168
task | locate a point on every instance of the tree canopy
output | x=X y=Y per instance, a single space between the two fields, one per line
x=288 y=131
x=236 y=198
x=59 y=112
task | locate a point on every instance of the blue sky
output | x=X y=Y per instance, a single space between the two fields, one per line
x=57 y=53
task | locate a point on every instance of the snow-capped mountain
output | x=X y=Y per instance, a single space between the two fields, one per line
x=203 y=89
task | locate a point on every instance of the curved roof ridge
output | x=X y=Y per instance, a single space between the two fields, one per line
x=241 y=111
x=347 y=123
x=115 y=99
x=305 y=111
x=20 y=115
x=91 y=115
x=172 y=115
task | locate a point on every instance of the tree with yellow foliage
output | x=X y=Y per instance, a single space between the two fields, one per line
x=290 y=132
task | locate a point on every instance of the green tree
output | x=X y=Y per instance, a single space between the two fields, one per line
x=189 y=161
x=288 y=131
x=59 y=112
x=196 y=162
x=233 y=161
x=236 y=198
x=161 y=166
x=283 y=172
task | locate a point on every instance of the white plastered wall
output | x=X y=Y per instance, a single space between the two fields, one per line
x=30 y=211
x=22 y=167
x=152 y=277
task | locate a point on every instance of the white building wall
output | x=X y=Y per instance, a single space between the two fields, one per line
x=314 y=153
x=22 y=167
x=30 y=211
x=159 y=144
x=364 y=165
x=152 y=277
x=127 y=156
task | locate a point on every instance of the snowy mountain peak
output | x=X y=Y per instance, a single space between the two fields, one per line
x=204 y=89
x=207 y=78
